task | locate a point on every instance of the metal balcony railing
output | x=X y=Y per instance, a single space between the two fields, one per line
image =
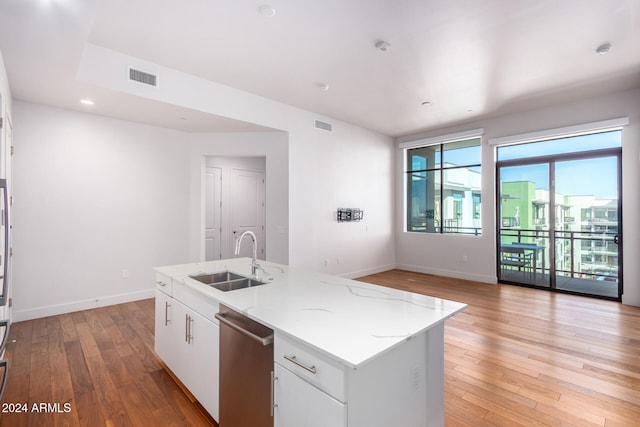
x=571 y=247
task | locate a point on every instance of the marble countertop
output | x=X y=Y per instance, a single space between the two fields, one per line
x=348 y=320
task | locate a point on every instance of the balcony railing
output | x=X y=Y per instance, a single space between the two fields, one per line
x=570 y=247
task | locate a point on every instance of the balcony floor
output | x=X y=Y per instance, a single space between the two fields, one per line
x=576 y=284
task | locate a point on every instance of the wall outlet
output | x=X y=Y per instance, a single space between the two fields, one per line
x=125 y=274
x=464 y=258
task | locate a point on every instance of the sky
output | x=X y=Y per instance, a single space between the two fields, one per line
x=597 y=177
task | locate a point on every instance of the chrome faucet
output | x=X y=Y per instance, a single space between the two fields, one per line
x=254 y=263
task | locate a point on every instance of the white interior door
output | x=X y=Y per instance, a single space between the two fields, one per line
x=248 y=209
x=213 y=214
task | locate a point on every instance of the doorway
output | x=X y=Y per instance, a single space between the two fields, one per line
x=560 y=220
x=234 y=201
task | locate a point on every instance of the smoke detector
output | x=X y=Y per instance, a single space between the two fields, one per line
x=603 y=49
x=382 y=45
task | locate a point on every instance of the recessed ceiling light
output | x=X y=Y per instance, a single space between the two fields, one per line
x=382 y=45
x=603 y=49
x=87 y=102
x=266 y=10
x=323 y=86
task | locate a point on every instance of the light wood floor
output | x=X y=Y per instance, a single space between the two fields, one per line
x=515 y=356
x=519 y=356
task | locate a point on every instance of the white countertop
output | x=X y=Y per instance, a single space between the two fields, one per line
x=350 y=321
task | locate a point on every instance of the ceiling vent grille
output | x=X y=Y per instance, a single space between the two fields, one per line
x=324 y=126
x=143 y=77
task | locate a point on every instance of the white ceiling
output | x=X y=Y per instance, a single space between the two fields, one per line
x=469 y=59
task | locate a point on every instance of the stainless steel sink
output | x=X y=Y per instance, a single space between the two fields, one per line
x=213 y=278
x=232 y=285
x=226 y=281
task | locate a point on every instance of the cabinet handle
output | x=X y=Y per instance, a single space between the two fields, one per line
x=187 y=329
x=273 y=392
x=166 y=312
x=293 y=360
x=161 y=284
x=3 y=363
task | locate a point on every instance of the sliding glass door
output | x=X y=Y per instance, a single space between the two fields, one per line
x=523 y=246
x=587 y=226
x=559 y=221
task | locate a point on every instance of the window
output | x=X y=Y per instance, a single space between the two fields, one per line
x=443 y=187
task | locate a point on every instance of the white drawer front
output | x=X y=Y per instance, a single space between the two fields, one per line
x=163 y=283
x=320 y=370
x=207 y=307
x=298 y=403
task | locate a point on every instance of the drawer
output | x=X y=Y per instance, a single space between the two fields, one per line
x=196 y=301
x=164 y=284
x=316 y=368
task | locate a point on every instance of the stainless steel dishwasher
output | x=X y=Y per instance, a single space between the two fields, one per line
x=246 y=365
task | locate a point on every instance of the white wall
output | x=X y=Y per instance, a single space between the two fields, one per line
x=442 y=254
x=93 y=197
x=96 y=196
x=4 y=88
x=350 y=166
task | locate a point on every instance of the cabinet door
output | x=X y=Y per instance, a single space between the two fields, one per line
x=165 y=336
x=188 y=344
x=299 y=404
x=172 y=342
x=203 y=344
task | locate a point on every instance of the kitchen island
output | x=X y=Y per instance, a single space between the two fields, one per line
x=346 y=353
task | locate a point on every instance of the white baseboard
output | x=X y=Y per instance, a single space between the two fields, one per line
x=368 y=271
x=448 y=273
x=53 y=310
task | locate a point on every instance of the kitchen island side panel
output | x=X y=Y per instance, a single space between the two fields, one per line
x=402 y=387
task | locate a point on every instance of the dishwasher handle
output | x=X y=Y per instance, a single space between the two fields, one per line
x=262 y=340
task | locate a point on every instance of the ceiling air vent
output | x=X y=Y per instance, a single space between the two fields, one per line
x=324 y=126
x=143 y=77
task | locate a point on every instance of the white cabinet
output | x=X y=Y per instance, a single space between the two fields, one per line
x=188 y=343
x=309 y=388
x=199 y=353
x=165 y=344
x=402 y=387
x=300 y=404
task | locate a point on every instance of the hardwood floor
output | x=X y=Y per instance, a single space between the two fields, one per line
x=515 y=356
x=519 y=356
x=101 y=364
